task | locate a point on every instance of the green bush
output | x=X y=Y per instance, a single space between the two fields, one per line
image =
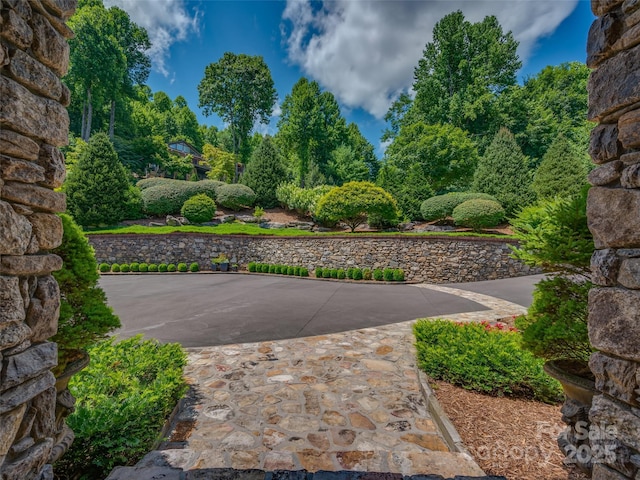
x=194 y=267
x=326 y=273
x=168 y=197
x=235 y=196
x=334 y=273
x=251 y=266
x=387 y=274
x=124 y=267
x=482 y=358
x=341 y=274
x=198 y=209
x=154 y=182
x=153 y=267
x=304 y=272
x=442 y=206
x=272 y=269
x=143 y=267
x=135 y=267
x=105 y=267
x=115 y=267
x=478 y=214
x=265 y=172
x=162 y=267
x=357 y=274
x=296 y=271
x=171 y=267
x=378 y=275
x=350 y=272
x=123 y=397
x=319 y=272
x=264 y=268
x=398 y=275
x=182 y=267
x=290 y=271
x=366 y=274
x=302 y=200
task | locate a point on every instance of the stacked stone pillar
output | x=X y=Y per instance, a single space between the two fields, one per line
x=34 y=55
x=614 y=219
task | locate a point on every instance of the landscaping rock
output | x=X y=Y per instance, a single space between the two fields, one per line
x=173 y=221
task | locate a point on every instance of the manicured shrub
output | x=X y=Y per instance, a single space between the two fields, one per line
x=366 y=274
x=350 y=272
x=171 y=267
x=251 y=266
x=124 y=267
x=194 y=267
x=357 y=274
x=235 y=196
x=319 y=272
x=272 y=268
x=264 y=268
x=334 y=273
x=134 y=267
x=387 y=274
x=182 y=267
x=296 y=271
x=115 y=267
x=143 y=267
x=154 y=182
x=326 y=273
x=482 y=358
x=169 y=196
x=153 y=267
x=302 y=200
x=398 y=275
x=162 y=267
x=290 y=271
x=341 y=274
x=199 y=209
x=265 y=172
x=304 y=272
x=442 y=206
x=478 y=214
x=378 y=275
x=105 y=267
x=123 y=398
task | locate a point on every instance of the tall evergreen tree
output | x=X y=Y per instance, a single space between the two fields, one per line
x=264 y=173
x=503 y=172
x=97 y=187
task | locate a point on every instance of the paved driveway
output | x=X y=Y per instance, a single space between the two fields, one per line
x=217 y=309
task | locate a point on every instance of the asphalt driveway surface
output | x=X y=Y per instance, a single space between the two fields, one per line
x=217 y=309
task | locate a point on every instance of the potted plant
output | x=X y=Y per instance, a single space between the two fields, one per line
x=221 y=262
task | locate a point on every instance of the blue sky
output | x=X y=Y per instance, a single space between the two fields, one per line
x=363 y=51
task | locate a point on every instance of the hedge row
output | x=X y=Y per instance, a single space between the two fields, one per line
x=149 y=267
x=379 y=274
x=278 y=269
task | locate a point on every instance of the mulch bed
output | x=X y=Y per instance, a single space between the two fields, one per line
x=510 y=437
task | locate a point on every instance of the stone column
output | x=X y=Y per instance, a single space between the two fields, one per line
x=34 y=54
x=614 y=219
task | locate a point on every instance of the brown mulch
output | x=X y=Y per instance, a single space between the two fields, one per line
x=510 y=437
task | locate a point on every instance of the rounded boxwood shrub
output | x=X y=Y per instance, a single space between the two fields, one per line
x=153 y=267
x=115 y=267
x=326 y=273
x=378 y=275
x=366 y=274
x=182 y=267
x=304 y=272
x=251 y=266
x=334 y=273
x=105 y=267
x=478 y=214
x=398 y=275
x=143 y=267
x=272 y=268
x=235 y=196
x=124 y=267
x=341 y=274
x=296 y=271
x=199 y=209
x=171 y=267
x=319 y=272
x=194 y=267
x=387 y=274
x=357 y=274
x=168 y=196
x=134 y=267
x=290 y=271
x=442 y=206
x=162 y=267
x=350 y=272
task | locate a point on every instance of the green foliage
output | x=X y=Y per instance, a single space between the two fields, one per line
x=345 y=166
x=378 y=274
x=258 y=212
x=555 y=326
x=398 y=275
x=441 y=206
x=290 y=271
x=135 y=267
x=562 y=172
x=98 y=187
x=251 y=266
x=272 y=269
x=354 y=201
x=302 y=200
x=143 y=267
x=163 y=267
x=409 y=188
x=296 y=271
x=333 y=272
x=199 y=209
x=264 y=173
x=133 y=204
x=235 y=196
x=154 y=182
x=481 y=358
x=124 y=267
x=84 y=317
x=171 y=267
x=194 y=267
x=478 y=214
x=264 y=268
x=341 y=274
x=115 y=267
x=105 y=267
x=153 y=267
x=304 y=272
x=357 y=274
x=222 y=164
x=366 y=274
x=326 y=273
x=123 y=397
x=319 y=272
x=387 y=274
x=349 y=272
x=168 y=196
x=182 y=267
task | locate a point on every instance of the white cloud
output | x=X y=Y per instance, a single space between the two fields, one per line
x=166 y=21
x=364 y=51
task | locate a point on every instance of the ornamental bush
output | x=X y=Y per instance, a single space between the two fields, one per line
x=264 y=268
x=143 y=267
x=153 y=267
x=124 y=267
x=251 y=266
x=194 y=267
x=302 y=200
x=366 y=274
x=166 y=198
x=272 y=268
x=171 y=267
x=290 y=271
x=319 y=272
x=326 y=273
x=341 y=274
x=387 y=274
x=135 y=267
x=265 y=172
x=478 y=214
x=357 y=274
x=105 y=267
x=296 y=271
x=304 y=272
x=398 y=275
x=378 y=275
x=199 y=209
x=334 y=273
x=235 y=196
x=115 y=267
x=442 y=206
x=163 y=267
x=350 y=272
x=182 y=267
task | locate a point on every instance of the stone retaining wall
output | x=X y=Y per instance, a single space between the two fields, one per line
x=432 y=259
x=613 y=212
x=34 y=54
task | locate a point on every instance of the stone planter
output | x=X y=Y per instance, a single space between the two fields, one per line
x=579 y=391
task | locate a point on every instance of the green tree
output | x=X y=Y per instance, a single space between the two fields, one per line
x=346 y=166
x=563 y=170
x=503 y=171
x=97 y=188
x=222 y=164
x=409 y=188
x=240 y=90
x=363 y=150
x=264 y=173
x=353 y=202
